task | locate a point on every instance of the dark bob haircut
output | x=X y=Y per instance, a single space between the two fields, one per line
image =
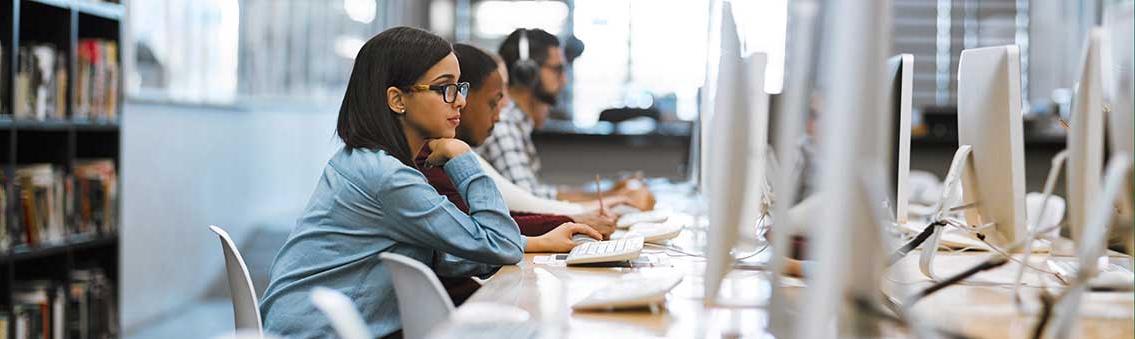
x=476 y=65
x=394 y=58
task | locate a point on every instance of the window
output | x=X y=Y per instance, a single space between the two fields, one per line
x=224 y=51
x=184 y=50
x=641 y=51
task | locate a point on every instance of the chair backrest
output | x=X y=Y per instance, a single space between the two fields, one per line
x=246 y=308
x=422 y=300
x=341 y=312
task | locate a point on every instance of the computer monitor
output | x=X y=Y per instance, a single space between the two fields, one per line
x=736 y=150
x=1085 y=137
x=989 y=121
x=1118 y=71
x=901 y=87
x=791 y=112
x=850 y=248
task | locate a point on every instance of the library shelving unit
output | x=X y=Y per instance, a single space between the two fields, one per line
x=61 y=142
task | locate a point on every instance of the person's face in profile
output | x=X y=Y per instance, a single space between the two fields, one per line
x=553 y=79
x=427 y=111
x=482 y=110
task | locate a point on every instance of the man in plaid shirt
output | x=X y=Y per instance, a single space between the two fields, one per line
x=510 y=149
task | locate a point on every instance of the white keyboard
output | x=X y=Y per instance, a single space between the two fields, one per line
x=495 y=330
x=605 y=251
x=624 y=209
x=1111 y=276
x=655 y=233
x=630 y=292
x=655 y=216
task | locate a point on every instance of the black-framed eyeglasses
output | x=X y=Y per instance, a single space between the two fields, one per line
x=448 y=91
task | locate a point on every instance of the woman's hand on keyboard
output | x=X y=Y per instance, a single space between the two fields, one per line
x=558 y=240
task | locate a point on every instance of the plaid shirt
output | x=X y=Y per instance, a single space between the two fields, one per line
x=510 y=150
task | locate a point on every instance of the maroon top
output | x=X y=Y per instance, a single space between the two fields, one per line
x=531 y=224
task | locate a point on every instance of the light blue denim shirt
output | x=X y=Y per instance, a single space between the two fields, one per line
x=366 y=203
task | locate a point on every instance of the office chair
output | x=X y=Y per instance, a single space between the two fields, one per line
x=422 y=302
x=341 y=312
x=246 y=311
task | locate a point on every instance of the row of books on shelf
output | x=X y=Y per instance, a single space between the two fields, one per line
x=84 y=307
x=41 y=80
x=52 y=207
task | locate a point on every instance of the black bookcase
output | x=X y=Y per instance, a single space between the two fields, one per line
x=60 y=142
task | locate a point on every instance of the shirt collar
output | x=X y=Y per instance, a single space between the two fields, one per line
x=513 y=113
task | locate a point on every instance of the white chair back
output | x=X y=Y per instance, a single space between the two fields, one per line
x=422 y=301
x=246 y=308
x=338 y=308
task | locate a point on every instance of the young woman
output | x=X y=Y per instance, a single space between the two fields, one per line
x=402 y=95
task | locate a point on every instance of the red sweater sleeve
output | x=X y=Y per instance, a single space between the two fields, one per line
x=531 y=224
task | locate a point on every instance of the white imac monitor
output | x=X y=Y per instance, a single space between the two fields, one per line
x=850 y=249
x=739 y=125
x=900 y=91
x=1118 y=70
x=989 y=120
x=1085 y=137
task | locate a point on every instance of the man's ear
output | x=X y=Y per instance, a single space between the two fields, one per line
x=395 y=100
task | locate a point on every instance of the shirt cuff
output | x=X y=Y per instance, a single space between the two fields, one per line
x=462 y=167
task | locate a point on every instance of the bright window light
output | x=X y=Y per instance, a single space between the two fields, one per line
x=499 y=18
x=661 y=47
x=636 y=49
x=441 y=17
x=348 y=46
x=360 y=10
x=763 y=26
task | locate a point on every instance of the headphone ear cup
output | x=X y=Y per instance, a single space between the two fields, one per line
x=525 y=72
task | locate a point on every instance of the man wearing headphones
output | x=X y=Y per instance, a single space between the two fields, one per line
x=535 y=65
x=536 y=75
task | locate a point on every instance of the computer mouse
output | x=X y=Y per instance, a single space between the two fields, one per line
x=1113 y=281
x=485 y=312
x=580 y=238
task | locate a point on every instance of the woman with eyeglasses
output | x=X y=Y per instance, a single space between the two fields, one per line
x=402 y=95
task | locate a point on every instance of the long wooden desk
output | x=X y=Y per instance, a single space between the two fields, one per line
x=548 y=291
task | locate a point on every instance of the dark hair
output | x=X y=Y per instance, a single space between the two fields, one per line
x=394 y=58
x=476 y=65
x=538 y=42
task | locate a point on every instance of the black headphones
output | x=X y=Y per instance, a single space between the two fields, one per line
x=525 y=71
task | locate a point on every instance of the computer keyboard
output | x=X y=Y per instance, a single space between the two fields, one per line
x=630 y=292
x=605 y=251
x=495 y=330
x=655 y=216
x=1111 y=276
x=654 y=232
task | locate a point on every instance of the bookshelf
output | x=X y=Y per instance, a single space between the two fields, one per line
x=85 y=36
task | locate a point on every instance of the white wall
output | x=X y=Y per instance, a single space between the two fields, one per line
x=184 y=168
